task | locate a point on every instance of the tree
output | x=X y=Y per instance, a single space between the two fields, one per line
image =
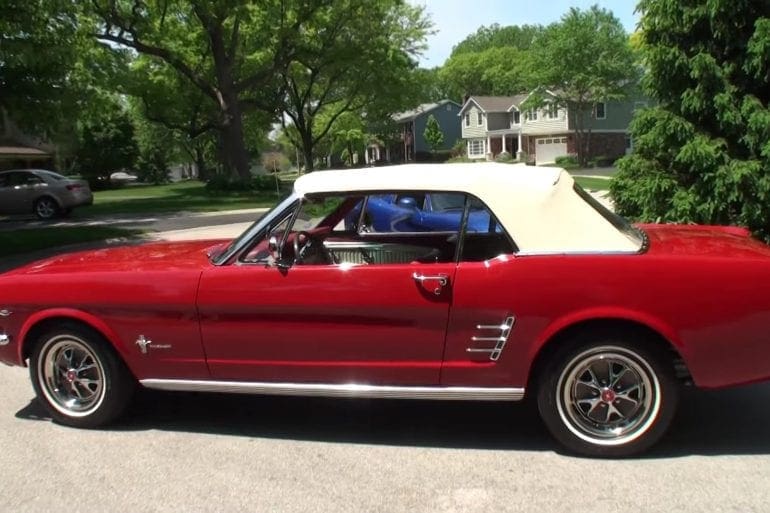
x=433 y=134
x=348 y=136
x=494 y=71
x=702 y=153
x=105 y=144
x=584 y=59
x=40 y=46
x=491 y=61
x=356 y=54
x=494 y=36
x=232 y=51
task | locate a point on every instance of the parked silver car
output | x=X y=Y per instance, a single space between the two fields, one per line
x=44 y=193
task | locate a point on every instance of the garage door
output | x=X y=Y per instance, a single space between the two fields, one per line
x=548 y=148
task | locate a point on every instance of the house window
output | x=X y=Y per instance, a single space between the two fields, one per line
x=601 y=110
x=531 y=115
x=479 y=118
x=516 y=117
x=467 y=120
x=476 y=148
x=552 y=112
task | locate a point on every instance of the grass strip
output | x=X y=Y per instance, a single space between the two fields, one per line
x=16 y=242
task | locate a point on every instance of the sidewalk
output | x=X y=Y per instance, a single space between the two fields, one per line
x=223 y=231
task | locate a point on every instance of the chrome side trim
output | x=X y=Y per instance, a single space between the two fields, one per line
x=5 y=313
x=4 y=339
x=342 y=390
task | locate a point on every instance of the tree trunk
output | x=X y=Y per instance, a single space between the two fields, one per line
x=307 y=149
x=200 y=163
x=234 y=145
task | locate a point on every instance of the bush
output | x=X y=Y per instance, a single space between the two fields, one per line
x=459 y=149
x=602 y=161
x=504 y=157
x=567 y=161
x=438 y=156
x=455 y=160
x=223 y=183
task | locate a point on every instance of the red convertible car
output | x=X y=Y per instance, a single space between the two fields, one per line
x=598 y=320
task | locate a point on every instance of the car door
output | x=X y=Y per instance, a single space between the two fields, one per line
x=371 y=313
x=486 y=305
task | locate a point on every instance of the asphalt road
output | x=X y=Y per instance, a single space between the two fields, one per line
x=150 y=222
x=196 y=452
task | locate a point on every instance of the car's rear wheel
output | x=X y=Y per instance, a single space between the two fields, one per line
x=46 y=208
x=608 y=396
x=79 y=378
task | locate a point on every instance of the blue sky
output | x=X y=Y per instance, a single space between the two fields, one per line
x=455 y=19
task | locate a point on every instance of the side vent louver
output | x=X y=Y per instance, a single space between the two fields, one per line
x=503 y=332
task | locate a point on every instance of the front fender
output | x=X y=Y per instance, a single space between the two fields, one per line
x=67 y=314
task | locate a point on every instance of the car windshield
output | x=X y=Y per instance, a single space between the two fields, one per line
x=620 y=223
x=221 y=253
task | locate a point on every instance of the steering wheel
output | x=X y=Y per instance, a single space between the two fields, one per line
x=302 y=241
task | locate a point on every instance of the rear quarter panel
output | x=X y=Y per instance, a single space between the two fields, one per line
x=714 y=310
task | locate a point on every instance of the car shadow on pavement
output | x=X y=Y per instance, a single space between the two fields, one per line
x=475 y=425
x=727 y=422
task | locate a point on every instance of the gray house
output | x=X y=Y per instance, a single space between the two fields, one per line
x=410 y=142
x=495 y=124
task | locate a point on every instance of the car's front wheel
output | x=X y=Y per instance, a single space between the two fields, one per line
x=46 y=208
x=79 y=378
x=608 y=396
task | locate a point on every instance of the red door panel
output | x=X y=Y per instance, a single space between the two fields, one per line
x=329 y=324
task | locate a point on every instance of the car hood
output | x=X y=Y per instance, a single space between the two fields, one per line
x=153 y=256
x=717 y=241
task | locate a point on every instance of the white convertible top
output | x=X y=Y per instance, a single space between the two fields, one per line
x=537 y=206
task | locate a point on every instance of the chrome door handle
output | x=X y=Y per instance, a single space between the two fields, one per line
x=442 y=280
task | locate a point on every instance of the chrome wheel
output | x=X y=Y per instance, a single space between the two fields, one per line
x=608 y=395
x=71 y=376
x=46 y=208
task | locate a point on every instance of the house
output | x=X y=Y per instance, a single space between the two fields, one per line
x=410 y=144
x=495 y=124
x=19 y=150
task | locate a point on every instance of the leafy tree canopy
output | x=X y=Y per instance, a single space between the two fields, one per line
x=358 y=55
x=39 y=49
x=494 y=36
x=702 y=154
x=494 y=71
x=583 y=59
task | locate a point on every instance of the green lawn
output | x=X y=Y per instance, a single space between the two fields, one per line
x=23 y=241
x=590 y=183
x=177 y=197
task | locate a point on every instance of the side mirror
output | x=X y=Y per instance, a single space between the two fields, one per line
x=272 y=246
x=275 y=254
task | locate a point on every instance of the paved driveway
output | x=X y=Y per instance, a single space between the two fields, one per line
x=197 y=452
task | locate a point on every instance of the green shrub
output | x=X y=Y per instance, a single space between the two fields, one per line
x=459 y=149
x=602 y=161
x=222 y=183
x=455 y=160
x=504 y=157
x=567 y=161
